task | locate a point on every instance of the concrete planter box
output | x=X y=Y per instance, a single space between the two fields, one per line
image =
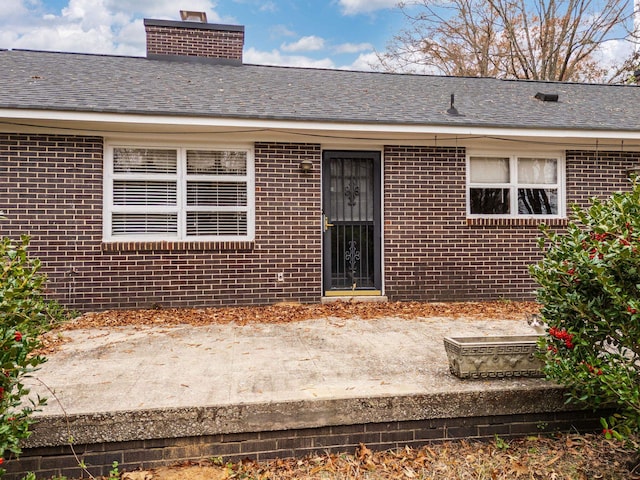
x=493 y=357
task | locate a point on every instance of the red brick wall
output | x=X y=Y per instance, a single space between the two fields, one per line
x=433 y=253
x=51 y=188
x=288 y=211
x=194 y=40
x=54 y=193
x=591 y=173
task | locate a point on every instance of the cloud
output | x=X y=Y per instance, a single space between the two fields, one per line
x=366 y=62
x=115 y=27
x=274 y=57
x=355 y=7
x=160 y=9
x=352 y=47
x=269 y=7
x=305 y=44
x=12 y=8
x=87 y=26
x=131 y=39
x=613 y=53
x=277 y=31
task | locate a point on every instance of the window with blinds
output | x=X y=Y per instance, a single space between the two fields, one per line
x=515 y=186
x=178 y=194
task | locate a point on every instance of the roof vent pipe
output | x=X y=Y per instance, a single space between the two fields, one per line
x=452 y=109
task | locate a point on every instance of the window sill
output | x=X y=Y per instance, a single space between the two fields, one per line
x=176 y=246
x=516 y=222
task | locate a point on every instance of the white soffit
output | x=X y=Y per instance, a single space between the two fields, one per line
x=113 y=124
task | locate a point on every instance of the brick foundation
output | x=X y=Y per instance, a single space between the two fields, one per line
x=144 y=454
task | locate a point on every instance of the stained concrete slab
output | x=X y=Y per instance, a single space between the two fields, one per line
x=131 y=382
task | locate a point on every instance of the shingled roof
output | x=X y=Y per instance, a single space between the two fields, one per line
x=136 y=85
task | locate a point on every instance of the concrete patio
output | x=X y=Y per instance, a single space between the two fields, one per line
x=146 y=396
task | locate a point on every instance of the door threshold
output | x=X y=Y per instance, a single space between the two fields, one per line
x=352 y=293
x=331 y=297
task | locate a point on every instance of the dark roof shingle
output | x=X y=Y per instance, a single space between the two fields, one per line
x=134 y=85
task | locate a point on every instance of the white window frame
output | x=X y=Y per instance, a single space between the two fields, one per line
x=181 y=208
x=513 y=184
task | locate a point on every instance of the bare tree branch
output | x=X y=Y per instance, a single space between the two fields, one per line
x=526 y=39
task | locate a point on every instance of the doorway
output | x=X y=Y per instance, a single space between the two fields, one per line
x=351 y=204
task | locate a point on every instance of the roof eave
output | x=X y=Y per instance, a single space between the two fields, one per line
x=104 y=122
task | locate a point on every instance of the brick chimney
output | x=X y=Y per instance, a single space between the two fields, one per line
x=192 y=40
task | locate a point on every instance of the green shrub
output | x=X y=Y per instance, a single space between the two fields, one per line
x=22 y=302
x=24 y=314
x=590 y=295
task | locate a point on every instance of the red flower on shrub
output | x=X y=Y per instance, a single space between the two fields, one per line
x=18 y=337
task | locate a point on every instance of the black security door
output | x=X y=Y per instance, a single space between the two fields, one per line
x=351 y=222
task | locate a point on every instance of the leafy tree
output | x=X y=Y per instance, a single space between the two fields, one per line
x=589 y=282
x=517 y=39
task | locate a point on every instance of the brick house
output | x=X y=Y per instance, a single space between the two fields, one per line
x=188 y=178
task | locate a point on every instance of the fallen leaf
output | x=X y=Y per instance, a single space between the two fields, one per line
x=553 y=460
x=139 y=475
x=337 y=312
x=362 y=452
x=518 y=468
x=409 y=473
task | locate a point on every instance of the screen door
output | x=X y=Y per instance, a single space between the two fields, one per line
x=351 y=222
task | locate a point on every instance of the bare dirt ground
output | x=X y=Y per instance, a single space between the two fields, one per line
x=574 y=457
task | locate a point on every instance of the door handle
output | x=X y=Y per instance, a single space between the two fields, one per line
x=326 y=223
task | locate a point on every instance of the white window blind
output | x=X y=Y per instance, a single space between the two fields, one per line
x=140 y=192
x=143 y=224
x=515 y=186
x=178 y=193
